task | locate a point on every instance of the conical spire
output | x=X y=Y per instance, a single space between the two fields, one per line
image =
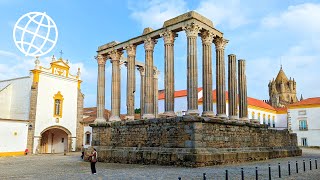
x=281 y=77
x=301 y=98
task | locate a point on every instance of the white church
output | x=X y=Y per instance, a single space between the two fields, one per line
x=42 y=112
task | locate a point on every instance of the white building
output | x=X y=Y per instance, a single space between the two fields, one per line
x=304 y=119
x=257 y=109
x=41 y=112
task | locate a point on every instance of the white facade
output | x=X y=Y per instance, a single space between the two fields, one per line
x=55 y=105
x=15 y=98
x=310 y=132
x=13 y=136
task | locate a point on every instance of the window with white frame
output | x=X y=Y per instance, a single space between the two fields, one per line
x=303 y=126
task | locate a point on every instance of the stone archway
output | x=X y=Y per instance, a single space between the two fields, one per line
x=55 y=139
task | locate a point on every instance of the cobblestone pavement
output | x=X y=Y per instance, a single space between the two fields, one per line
x=72 y=167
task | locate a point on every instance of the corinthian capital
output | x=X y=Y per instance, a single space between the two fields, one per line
x=141 y=70
x=168 y=37
x=192 y=30
x=115 y=55
x=220 y=42
x=156 y=73
x=149 y=44
x=207 y=37
x=101 y=59
x=131 y=50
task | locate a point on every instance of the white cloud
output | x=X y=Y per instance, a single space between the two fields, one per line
x=227 y=13
x=152 y=13
x=300 y=18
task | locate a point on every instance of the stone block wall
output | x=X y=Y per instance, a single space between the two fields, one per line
x=190 y=141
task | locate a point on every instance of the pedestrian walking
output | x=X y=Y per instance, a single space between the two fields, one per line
x=82 y=151
x=93 y=159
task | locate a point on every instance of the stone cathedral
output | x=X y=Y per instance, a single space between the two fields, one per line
x=282 y=91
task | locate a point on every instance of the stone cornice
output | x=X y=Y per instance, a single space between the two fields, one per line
x=220 y=42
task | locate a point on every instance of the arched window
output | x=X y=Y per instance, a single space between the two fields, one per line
x=252 y=114
x=264 y=119
x=58 y=102
x=269 y=123
x=87 y=138
x=259 y=117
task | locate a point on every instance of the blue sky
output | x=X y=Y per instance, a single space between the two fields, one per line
x=264 y=32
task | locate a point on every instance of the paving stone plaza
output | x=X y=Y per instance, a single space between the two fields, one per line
x=71 y=166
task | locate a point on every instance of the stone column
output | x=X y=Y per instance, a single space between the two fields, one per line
x=101 y=90
x=168 y=38
x=116 y=90
x=232 y=86
x=220 y=77
x=131 y=80
x=142 y=89
x=192 y=31
x=207 y=38
x=149 y=85
x=243 y=102
x=156 y=93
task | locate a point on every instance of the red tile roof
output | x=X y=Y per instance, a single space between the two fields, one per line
x=180 y=93
x=251 y=101
x=309 y=101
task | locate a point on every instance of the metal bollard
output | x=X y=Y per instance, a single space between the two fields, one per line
x=242 y=175
x=289 y=169
x=304 y=165
x=204 y=176
x=279 y=169
x=310 y=164
x=256 y=173
x=297 y=168
x=179 y=178
x=316 y=163
x=269 y=172
x=227 y=175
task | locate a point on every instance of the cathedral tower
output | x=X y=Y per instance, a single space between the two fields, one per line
x=282 y=91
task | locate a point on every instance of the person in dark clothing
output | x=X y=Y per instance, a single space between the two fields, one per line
x=82 y=151
x=93 y=161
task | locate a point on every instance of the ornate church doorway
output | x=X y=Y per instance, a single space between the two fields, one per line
x=56 y=139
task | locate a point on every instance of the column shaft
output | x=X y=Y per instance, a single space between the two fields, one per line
x=220 y=77
x=116 y=90
x=101 y=91
x=149 y=85
x=168 y=38
x=243 y=102
x=131 y=80
x=192 y=31
x=142 y=89
x=207 y=38
x=156 y=93
x=232 y=86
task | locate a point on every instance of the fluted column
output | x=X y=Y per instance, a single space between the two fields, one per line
x=220 y=76
x=116 y=90
x=168 y=38
x=142 y=89
x=156 y=93
x=243 y=102
x=131 y=80
x=192 y=31
x=207 y=38
x=101 y=60
x=232 y=86
x=149 y=85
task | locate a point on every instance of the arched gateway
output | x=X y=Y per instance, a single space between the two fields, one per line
x=55 y=139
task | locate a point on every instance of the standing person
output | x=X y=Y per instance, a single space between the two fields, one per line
x=93 y=161
x=82 y=151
